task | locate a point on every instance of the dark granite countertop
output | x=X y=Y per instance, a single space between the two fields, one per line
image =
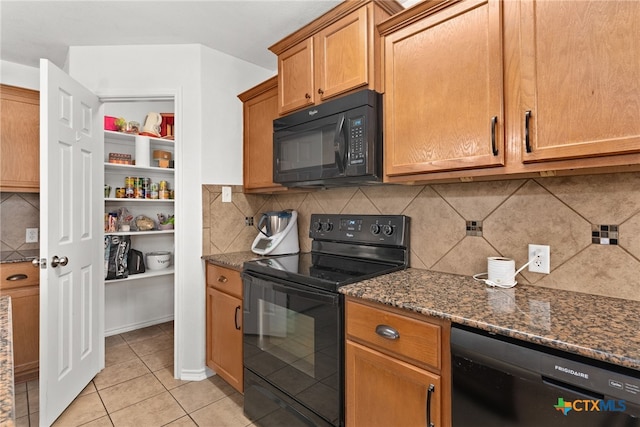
x=594 y=326
x=232 y=260
x=7 y=257
x=7 y=403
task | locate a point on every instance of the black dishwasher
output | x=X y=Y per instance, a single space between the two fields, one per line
x=502 y=382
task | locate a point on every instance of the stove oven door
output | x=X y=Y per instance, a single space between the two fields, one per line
x=293 y=353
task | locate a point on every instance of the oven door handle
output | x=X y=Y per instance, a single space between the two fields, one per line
x=309 y=294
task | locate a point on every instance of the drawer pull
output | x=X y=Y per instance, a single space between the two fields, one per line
x=222 y=279
x=15 y=277
x=387 y=332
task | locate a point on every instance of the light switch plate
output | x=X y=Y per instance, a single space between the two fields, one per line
x=226 y=194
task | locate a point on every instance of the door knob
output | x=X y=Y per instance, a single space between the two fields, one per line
x=62 y=261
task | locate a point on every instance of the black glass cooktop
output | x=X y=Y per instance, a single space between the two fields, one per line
x=323 y=271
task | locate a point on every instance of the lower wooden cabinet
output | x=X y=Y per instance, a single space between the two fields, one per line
x=397 y=368
x=224 y=324
x=20 y=281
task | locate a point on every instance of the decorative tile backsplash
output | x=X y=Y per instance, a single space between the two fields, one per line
x=18 y=211
x=555 y=211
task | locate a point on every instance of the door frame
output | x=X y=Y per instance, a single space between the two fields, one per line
x=119 y=95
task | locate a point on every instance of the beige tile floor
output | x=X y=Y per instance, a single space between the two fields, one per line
x=137 y=388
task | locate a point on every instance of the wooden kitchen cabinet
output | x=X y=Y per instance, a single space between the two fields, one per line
x=338 y=52
x=580 y=66
x=20 y=139
x=562 y=80
x=260 y=108
x=401 y=381
x=443 y=102
x=224 y=324
x=20 y=281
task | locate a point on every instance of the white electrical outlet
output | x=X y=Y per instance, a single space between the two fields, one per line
x=31 y=235
x=542 y=261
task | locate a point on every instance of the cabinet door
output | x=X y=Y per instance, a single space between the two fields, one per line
x=259 y=112
x=295 y=77
x=20 y=136
x=444 y=98
x=580 y=78
x=226 y=336
x=383 y=391
x=341 y=57
x=25 y=303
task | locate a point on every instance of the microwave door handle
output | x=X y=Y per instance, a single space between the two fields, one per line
x=339 y=143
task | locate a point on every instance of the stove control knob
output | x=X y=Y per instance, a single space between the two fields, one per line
x=316 y=226
x=375 y=229
x=327 y=226
x=387 y=230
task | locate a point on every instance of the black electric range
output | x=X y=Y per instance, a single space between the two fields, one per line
x=293 y=317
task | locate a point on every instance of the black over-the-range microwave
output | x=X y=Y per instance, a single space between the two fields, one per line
x=336 y=143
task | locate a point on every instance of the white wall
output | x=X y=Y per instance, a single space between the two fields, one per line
x=222 y=114
x=19 y=75
x=209 y=125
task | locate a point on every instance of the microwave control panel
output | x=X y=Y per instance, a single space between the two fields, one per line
x=357 y=146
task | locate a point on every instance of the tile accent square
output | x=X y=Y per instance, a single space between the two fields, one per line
x=474 y=228
x=604 y=234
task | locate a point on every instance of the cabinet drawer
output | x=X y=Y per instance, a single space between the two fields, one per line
x=418 y=342
x=225 y=280
x=18 y=275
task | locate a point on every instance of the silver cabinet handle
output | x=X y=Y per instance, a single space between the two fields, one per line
x=387 y=332
x=62 y=261
x=15 y=277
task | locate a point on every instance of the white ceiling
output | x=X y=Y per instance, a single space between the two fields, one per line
x=30 y=30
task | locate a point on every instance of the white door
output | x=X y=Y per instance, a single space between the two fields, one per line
x=71 y=246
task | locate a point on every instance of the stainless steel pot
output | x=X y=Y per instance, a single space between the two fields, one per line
x=274 y=222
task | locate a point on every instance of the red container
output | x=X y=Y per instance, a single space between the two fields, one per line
x=110 y=123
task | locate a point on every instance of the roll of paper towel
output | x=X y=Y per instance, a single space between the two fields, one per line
x=501 y=271
x=143 y=151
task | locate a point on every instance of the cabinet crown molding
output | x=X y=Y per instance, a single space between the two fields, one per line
x=333 y=15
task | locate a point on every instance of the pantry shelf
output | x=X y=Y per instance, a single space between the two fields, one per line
x=145 y=275
x=138 y=233
x=118 y=168
x=130 y=137
x=126 y=200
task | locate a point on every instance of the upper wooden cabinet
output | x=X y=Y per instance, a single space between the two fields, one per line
x=19 y=139
x=483 y=89
x=580 y=65
x=443 y=103
x=338 y=52
x=260 y=108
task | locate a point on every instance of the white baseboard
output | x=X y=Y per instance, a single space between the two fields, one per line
x=139 y=325
x=194 y=374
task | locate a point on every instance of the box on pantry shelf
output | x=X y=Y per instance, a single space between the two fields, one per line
x=120 y=158
x=162 y=157
x=166 y=126
x=110 y=123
